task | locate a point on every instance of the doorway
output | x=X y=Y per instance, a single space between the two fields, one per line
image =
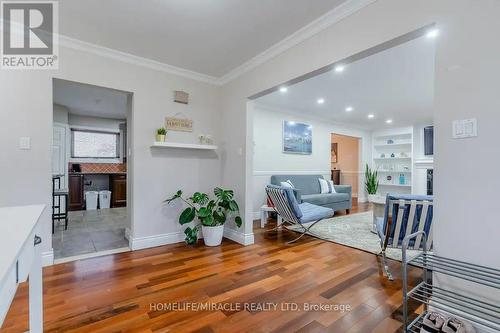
x=345 y=161
x=89 y=170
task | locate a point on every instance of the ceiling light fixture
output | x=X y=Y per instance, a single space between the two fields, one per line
x=283 y=89
x=388 y=121
x=320 y=101
x=371 y=116
x=339 y=68
x=349 y=109
x=432 y=33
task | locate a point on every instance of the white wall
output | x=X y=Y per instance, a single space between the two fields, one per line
x=27 y=107
x=467 y=69
x=269 y=159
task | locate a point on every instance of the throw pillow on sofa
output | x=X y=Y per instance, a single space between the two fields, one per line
x=287 y=184
x=326 y=186
x=323 y=185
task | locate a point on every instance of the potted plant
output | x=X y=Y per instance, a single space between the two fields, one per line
x=371 y=183
x=161 y=133
x=210 y=213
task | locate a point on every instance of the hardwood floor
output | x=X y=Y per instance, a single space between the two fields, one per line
x=129 y=292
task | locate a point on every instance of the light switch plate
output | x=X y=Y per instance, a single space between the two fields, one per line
x=464 y=128
x=25 y=143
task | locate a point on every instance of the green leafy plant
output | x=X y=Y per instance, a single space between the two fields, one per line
x=209 y=212
x=161 y=131
x=371 y=180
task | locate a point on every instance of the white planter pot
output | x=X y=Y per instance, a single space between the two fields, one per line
x=160 y=138
x=372 y=197
x=212 y=236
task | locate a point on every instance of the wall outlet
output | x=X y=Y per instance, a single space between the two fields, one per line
x=25 y=143
x=465 y=128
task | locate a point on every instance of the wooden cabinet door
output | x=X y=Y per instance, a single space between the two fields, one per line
x=75 y=192
x=118 y=191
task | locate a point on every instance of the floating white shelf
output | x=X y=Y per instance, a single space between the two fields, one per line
x=394 y=171
x=395 y=145
x=396 y=185
x=392 y=158
x=183 y=145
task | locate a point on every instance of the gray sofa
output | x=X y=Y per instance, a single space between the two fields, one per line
x=307 y=189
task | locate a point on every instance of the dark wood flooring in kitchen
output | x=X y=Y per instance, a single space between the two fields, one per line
x=118 y=293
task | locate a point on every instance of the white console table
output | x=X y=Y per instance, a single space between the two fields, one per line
x=21 y=257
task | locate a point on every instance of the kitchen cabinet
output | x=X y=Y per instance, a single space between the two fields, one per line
x=118 y=190
x=75 y=187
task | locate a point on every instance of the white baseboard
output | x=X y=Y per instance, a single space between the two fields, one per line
x=239 y=237
x=139 y=243
x=48 y=258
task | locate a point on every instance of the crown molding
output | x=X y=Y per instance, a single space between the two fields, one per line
x=102 y=51
x=335 y=15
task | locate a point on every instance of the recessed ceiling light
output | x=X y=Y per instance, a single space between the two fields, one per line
x=349 y=109
x=283 y=89
x=388 y=121
x=432 y=33
x=371 y=116
x=339 y=68
x=320 y=101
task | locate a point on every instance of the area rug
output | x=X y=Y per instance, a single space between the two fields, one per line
x=352 y=230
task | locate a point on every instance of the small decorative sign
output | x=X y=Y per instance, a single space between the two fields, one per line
x=178 y=124
x=181 y=97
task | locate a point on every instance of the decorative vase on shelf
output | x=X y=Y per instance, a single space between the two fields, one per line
x=393 y=155
x=161 y=134
x=402 y=180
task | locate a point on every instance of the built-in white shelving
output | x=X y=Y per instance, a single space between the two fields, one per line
x=392 y=157
x=179 y=145
x=392 y=145
x=395 y=185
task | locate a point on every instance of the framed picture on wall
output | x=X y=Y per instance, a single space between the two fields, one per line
x=297 y=138
x=335 y=152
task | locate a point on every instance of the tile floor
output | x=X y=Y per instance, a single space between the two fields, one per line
x=90 y=231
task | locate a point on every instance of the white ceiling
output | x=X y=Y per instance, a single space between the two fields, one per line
x=396 y=84
x=211 y=37
x=87 y=100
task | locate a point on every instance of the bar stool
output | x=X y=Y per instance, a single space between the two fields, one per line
x=57 y=194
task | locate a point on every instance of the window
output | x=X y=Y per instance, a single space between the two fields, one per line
x=94 y=144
